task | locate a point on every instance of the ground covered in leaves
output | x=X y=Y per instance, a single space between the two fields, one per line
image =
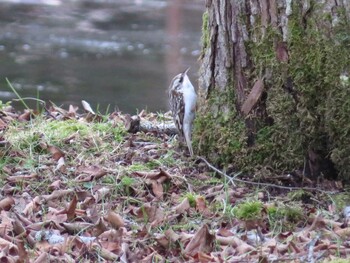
x=80 y=188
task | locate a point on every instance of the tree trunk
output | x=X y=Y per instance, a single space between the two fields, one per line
x=273 y=87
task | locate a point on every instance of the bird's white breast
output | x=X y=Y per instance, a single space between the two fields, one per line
x=190 y=98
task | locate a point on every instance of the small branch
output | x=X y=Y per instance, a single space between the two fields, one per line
x=134 y=124
x=260 y=184
x=220 y=172
x=310 y=257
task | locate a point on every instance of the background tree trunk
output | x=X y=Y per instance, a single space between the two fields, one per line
x=273 y=86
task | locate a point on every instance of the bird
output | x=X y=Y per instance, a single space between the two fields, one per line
x=183 y=99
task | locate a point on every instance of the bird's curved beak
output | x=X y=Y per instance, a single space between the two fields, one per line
x=185 y=72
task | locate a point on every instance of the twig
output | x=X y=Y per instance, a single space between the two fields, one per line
x=310 y=257
x=222 y=173
x=260 y=184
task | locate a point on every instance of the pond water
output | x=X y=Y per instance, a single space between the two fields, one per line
x=115 y=54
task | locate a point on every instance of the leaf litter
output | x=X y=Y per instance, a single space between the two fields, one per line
x=80 y=188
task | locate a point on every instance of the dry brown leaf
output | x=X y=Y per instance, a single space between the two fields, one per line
x=253 y=97
x=77 y=227
x=55 y=185
x=7 y=189
x=154 y=175
x=90 y=173
x=101 y=194
x=229 y=240
x=115 y=220
x=6 y=203
x=153 y=257
x=200 y=204
x=244 y=248
x=203 y=257
x=152 y=214
x=72 y=111
x=8 y=244
x=21 y=178
x=224 y=232
x=57 y=194
x=6 y=225
x=104 y=253
x=171 y=235
x=18 y=228
x=71 y=208
x=56 y=153
x=23 y=219
x=162 y=240
x=26 y=115
x=61 y=165
x=100 y=227
x=202 y=241
x=22 y=252
x=343 y=232
x=111 y=246
x=157 y=189
x=112 y=235
x=32 y=206
x=3 y=124
x=182 y=207
x=57 y=216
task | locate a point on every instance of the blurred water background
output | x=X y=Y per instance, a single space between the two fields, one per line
x=116 y=54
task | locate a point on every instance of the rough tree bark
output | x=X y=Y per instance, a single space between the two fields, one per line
x=273 y=86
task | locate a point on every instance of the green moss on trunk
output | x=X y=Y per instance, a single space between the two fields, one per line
x=307 y=103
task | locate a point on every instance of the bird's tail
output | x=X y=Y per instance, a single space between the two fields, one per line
x=188 y=139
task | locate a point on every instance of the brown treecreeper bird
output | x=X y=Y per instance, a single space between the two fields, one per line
x=183 y=100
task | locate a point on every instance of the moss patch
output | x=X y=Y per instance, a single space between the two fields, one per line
x=306 y=107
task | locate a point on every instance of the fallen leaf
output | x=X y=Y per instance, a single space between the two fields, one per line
x=100 y=227
x=20 y=178
x=154 y=175
x=57 y=194
x=162 y=240
x=43 y=258
x=115 y=220
x=71 y=208
x=171 y=235
x=77 y=227
x=87 y=107
x=6 y=203
x=26 y=115
x=104 y=253
x=3 y=124
x=6 y=224
x=157 y=189
x=182 y=207
x=56 y=153
x=203 y=257
x=32 y=206
x=150 y=213
x=72 y=111
x=90 y=173
x=55 y=185
x=253 y=97
x=202 y=241
x=60 y=165
x=101 y=194
x=200 y=204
